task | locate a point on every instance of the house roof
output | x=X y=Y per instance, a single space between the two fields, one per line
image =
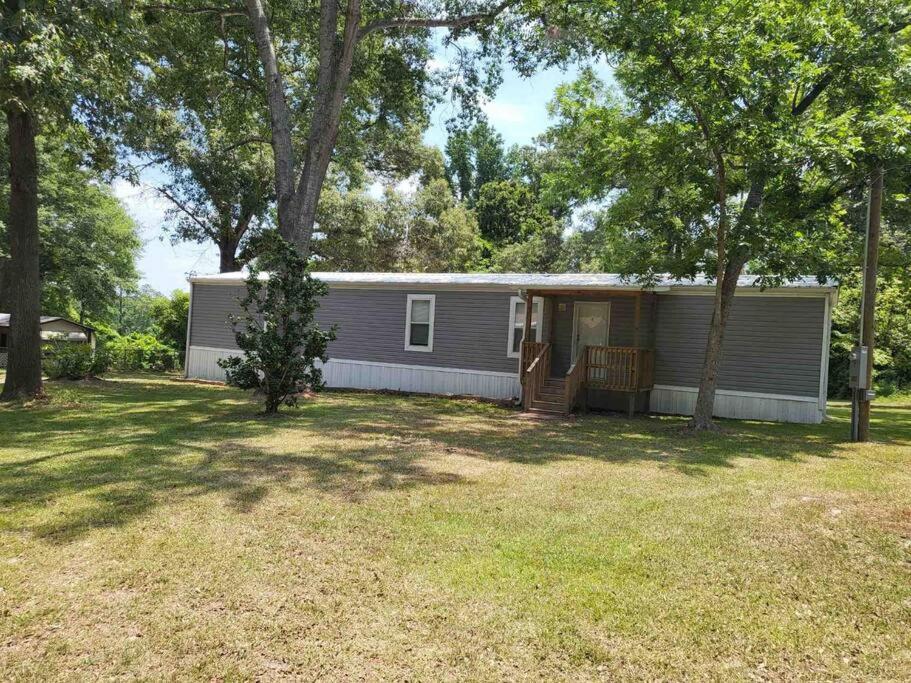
x=4 y=320
x=504 y=281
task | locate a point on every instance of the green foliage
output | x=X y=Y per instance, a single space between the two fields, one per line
x=522 y=234
x=140 y=351
x=791 y=100
x=475 y=157
x=359 y=232
x=429 y=231
x=89 y=243
x=213 y=150
x=442 y=235
x=70 y=64
x=170 y=315
x=70 y=360
x=892 y=356
x=277 y=330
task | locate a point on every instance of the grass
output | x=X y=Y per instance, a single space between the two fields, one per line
x=159 y=530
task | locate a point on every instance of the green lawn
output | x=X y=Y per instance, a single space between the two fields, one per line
x=158 y=530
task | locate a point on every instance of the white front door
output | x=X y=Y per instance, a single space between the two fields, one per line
x=591 y=321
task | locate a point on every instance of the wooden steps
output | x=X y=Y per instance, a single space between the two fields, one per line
x=551 y=399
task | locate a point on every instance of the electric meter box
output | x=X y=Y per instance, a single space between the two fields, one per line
x=858 y=371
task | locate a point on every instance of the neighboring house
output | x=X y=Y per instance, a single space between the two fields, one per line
x=594 y=339
x=52 y=328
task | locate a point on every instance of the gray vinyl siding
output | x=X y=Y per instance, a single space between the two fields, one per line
x=470 y=328
x=771 y=345
x=621 y=331
x=211 y=306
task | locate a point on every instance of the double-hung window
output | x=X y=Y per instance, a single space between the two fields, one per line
x=419 y=322
x=517 y=324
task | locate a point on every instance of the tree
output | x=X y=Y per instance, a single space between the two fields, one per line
x=134 y=310
x=170 y=315
x=196 y=118
x=514 y=222
x=335 y=60
x=278 y=334
x=88 y=242
x=442 y=235
x=58 y=71
x=738 y=128
x=427 y=232
x=475 y=157
x=892 y=354
x=359 y=233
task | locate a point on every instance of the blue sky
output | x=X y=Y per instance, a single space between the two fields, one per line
x=518 y=112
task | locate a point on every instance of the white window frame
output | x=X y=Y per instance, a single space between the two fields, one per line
x=419 y=297
x=537 y=307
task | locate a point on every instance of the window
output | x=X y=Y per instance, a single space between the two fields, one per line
x=517 y=324
x=419 y=322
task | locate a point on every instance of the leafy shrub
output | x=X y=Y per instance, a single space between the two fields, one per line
x=140 y=351
x=277 y=331
x=67 y=360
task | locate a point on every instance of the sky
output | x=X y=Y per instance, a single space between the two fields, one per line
x=518 y=112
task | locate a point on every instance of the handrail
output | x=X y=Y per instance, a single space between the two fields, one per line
x=620 y=368
x=575 y=380
x=535 y=373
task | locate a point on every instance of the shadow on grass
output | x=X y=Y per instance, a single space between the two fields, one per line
x=131 y=446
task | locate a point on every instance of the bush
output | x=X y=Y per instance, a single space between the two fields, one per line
x=140 y=351
x=68 y=360
x=278 y=332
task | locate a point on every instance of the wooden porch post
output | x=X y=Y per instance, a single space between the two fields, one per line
x=529 y=302
x=637 y=369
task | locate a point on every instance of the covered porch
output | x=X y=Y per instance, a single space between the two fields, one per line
x=585 y=347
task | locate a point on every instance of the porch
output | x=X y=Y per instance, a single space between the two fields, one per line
x=584 y=347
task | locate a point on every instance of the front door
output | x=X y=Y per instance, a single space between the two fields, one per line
x=590 y=325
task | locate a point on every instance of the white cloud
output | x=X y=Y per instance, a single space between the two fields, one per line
x=162 y=265
x=434 y=64
x=504 y=113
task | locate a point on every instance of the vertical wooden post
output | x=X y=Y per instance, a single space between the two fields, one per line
x=868 y=305
x=637 y=320
x=529 y=302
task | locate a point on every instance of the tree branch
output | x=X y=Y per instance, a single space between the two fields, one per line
x=813 y=93
x=430 y=22
x=183 y=209
x=221 y=11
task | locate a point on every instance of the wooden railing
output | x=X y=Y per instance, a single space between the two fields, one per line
x=535 y=372
x=620 y=368
x=575 y=380
x=530 y=351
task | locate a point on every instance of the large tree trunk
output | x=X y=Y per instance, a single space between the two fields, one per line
x=227 y=256
x=724 y=298
x=6 y=286
x=725 y=286
x=23 y=373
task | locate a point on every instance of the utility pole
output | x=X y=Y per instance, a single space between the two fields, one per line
x=860 y=404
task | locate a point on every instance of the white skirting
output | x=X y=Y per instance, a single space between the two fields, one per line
x=201 y=362
x=355 y=374
x=741 y=405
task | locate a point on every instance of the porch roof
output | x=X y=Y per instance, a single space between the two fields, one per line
x=46 y=319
